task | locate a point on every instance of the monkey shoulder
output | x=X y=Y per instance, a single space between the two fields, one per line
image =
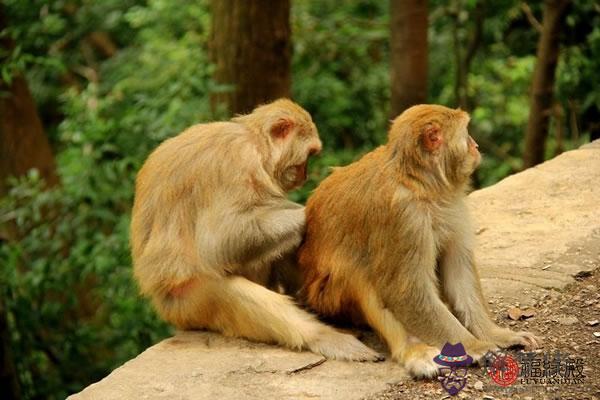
x=192 y=145
x=211 y=166
x=357 y=196
x=364 y=176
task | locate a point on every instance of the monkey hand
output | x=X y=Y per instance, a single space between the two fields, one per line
x=297 y=217
x=300 y=218
x=504 y=337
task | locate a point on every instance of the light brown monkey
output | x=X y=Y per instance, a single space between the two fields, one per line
x=389 y=243
x=211 y=217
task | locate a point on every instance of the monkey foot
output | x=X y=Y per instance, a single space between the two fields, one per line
x=418 y=361
x=340 y=346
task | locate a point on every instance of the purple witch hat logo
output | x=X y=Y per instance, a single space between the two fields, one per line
x=453 y=361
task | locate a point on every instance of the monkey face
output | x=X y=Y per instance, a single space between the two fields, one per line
x=300 y=149
x=293 y=138
x=470 y=153
x=435 y=140
x=474 y=152
x=461 y=156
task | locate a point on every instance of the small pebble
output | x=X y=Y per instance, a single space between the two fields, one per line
x=528 y=313
x=567 y=320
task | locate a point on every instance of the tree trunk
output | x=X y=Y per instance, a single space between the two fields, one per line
x=543 y=82
x=23 y=144
x=251 y=50
x=409 y=49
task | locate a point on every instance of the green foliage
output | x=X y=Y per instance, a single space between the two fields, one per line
x=74 y=307
x=500 y=77
x=30 y=37
x=340 y=69
x=68 y=287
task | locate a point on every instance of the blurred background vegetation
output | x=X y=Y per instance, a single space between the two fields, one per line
x=89 y=88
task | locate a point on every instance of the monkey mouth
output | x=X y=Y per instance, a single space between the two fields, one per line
x=301 y=172
x=294 y=176
x=477 y=161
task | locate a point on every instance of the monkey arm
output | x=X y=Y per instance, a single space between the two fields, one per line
x=258 y=234
x=462 y=288
x=434 y=322
x=461 y=285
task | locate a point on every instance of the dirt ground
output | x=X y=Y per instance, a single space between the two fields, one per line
x=565 y=320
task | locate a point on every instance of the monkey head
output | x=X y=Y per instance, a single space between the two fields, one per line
x=292 y=138
x=433 y=138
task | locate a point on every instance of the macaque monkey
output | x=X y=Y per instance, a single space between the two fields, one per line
x=211 y=218
x=389 y=243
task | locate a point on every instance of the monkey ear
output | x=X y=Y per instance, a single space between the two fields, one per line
x=432 y=137
x=281 y=128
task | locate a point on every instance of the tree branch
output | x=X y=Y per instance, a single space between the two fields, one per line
x=530 y=17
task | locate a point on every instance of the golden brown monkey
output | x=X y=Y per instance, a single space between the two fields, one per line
x=211 y=217
x=389 y=243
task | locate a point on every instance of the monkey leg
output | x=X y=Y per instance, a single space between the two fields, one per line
x=238 y=307
x=415 y=356
x=462 y=288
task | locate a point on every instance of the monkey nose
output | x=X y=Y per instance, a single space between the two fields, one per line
x=313 y=151
x=473 y=142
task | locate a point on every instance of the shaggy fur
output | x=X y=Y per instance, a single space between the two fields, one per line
x=389 y=243
x=211 y=217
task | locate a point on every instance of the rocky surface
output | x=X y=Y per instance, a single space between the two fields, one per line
x=201 y=365
x=537 y=232
x=539 y=228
